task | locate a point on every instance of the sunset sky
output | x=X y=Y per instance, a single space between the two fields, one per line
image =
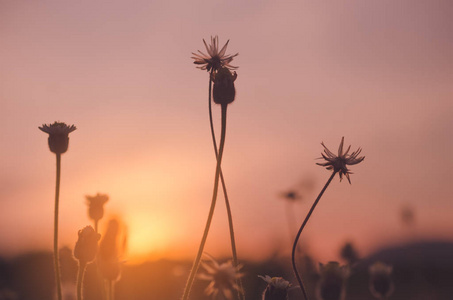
x=379 y=73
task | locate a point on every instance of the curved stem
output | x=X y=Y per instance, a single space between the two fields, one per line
x=300 y=231
x=81 y=273
x=225 y=194
x=211 y=210
x=55 y=227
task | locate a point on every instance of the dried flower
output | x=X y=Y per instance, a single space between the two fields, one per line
x=96 y=206
x=381 y=284
x=332 y=284
x=223 y=91
x=339 y=163
x=58 y=136
x=86 y=246
x=215 y=59
x=222 y=278
x=276 y=289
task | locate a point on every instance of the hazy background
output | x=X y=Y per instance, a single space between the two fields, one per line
x=379 y=73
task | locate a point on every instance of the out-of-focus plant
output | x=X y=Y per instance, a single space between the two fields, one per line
x=332 y=283
x=381 y=283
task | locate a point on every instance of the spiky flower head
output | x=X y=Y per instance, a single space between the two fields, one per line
x=96 y=206
x=58 y=136
x=276 y=289
x=86 y=247
x=381 y=284
x=223 y=91
x=222 y=278
x=338 y=163
x=215 y=59
x=332 y=284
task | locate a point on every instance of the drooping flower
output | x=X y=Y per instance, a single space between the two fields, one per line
x=96 y=206
x=222 y=278
x=332 y=284
x=338 y=163
x=215 y=59
x=86 y=247
x=58 y=136
x=381 y=284
x=276 y=289
x=223 y=91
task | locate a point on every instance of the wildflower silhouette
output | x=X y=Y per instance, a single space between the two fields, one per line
x=58 y=143
x=96 y=207
x=222 y=278
x=276 y=289
x=338 y=164
x=381 y=284
x=332 y=284
x=85 y=251
x=108 y=260
x=215 y=59
x=218 y=64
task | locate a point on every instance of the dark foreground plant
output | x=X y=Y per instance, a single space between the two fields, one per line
x=338 y=164
x=58 y=143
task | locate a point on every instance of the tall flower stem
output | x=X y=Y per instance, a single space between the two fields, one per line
x=225 y=194
x=55 y=226
x=293 y=254
x=80 y=275
x=211 y=210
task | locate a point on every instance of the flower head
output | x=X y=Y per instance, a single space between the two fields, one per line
x=222 y=278
x=338 y=163
x=277 y=288
x=291 y=195
x=86 y=246
x=215 y=59
x=381 y=284
x=58 y=136
x=96 y=206
x=332 y=284
x=223 y=91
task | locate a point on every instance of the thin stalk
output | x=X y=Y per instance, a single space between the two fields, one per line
x=80 y=275
x=96 y=225
x=211 y=210
x=225 y=194
x=56 y=258
x=300 y=231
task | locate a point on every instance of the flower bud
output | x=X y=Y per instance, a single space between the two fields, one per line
x=86 y=246
x=381 y=284
x=58 y=136
x=223 y=91
x=333 y=281
x=276 y=289
x=96 y=206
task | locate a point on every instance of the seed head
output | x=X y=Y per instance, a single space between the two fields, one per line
x=215 y=59
x=332 y=284
x=223 y=91
x=96 y=206
x=276 y=289
x=338 y=163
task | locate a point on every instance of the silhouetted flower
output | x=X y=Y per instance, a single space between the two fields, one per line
x=215 y=59
x=381 y=284
x=349 y=253
x=222 y=278
x=58 y=136
x=332 y=284
x=223 y=91
x=276 y=289
x=109 y=252
x=291 y=196
x=339 y=163
x=96 y=206
x=86 y=246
